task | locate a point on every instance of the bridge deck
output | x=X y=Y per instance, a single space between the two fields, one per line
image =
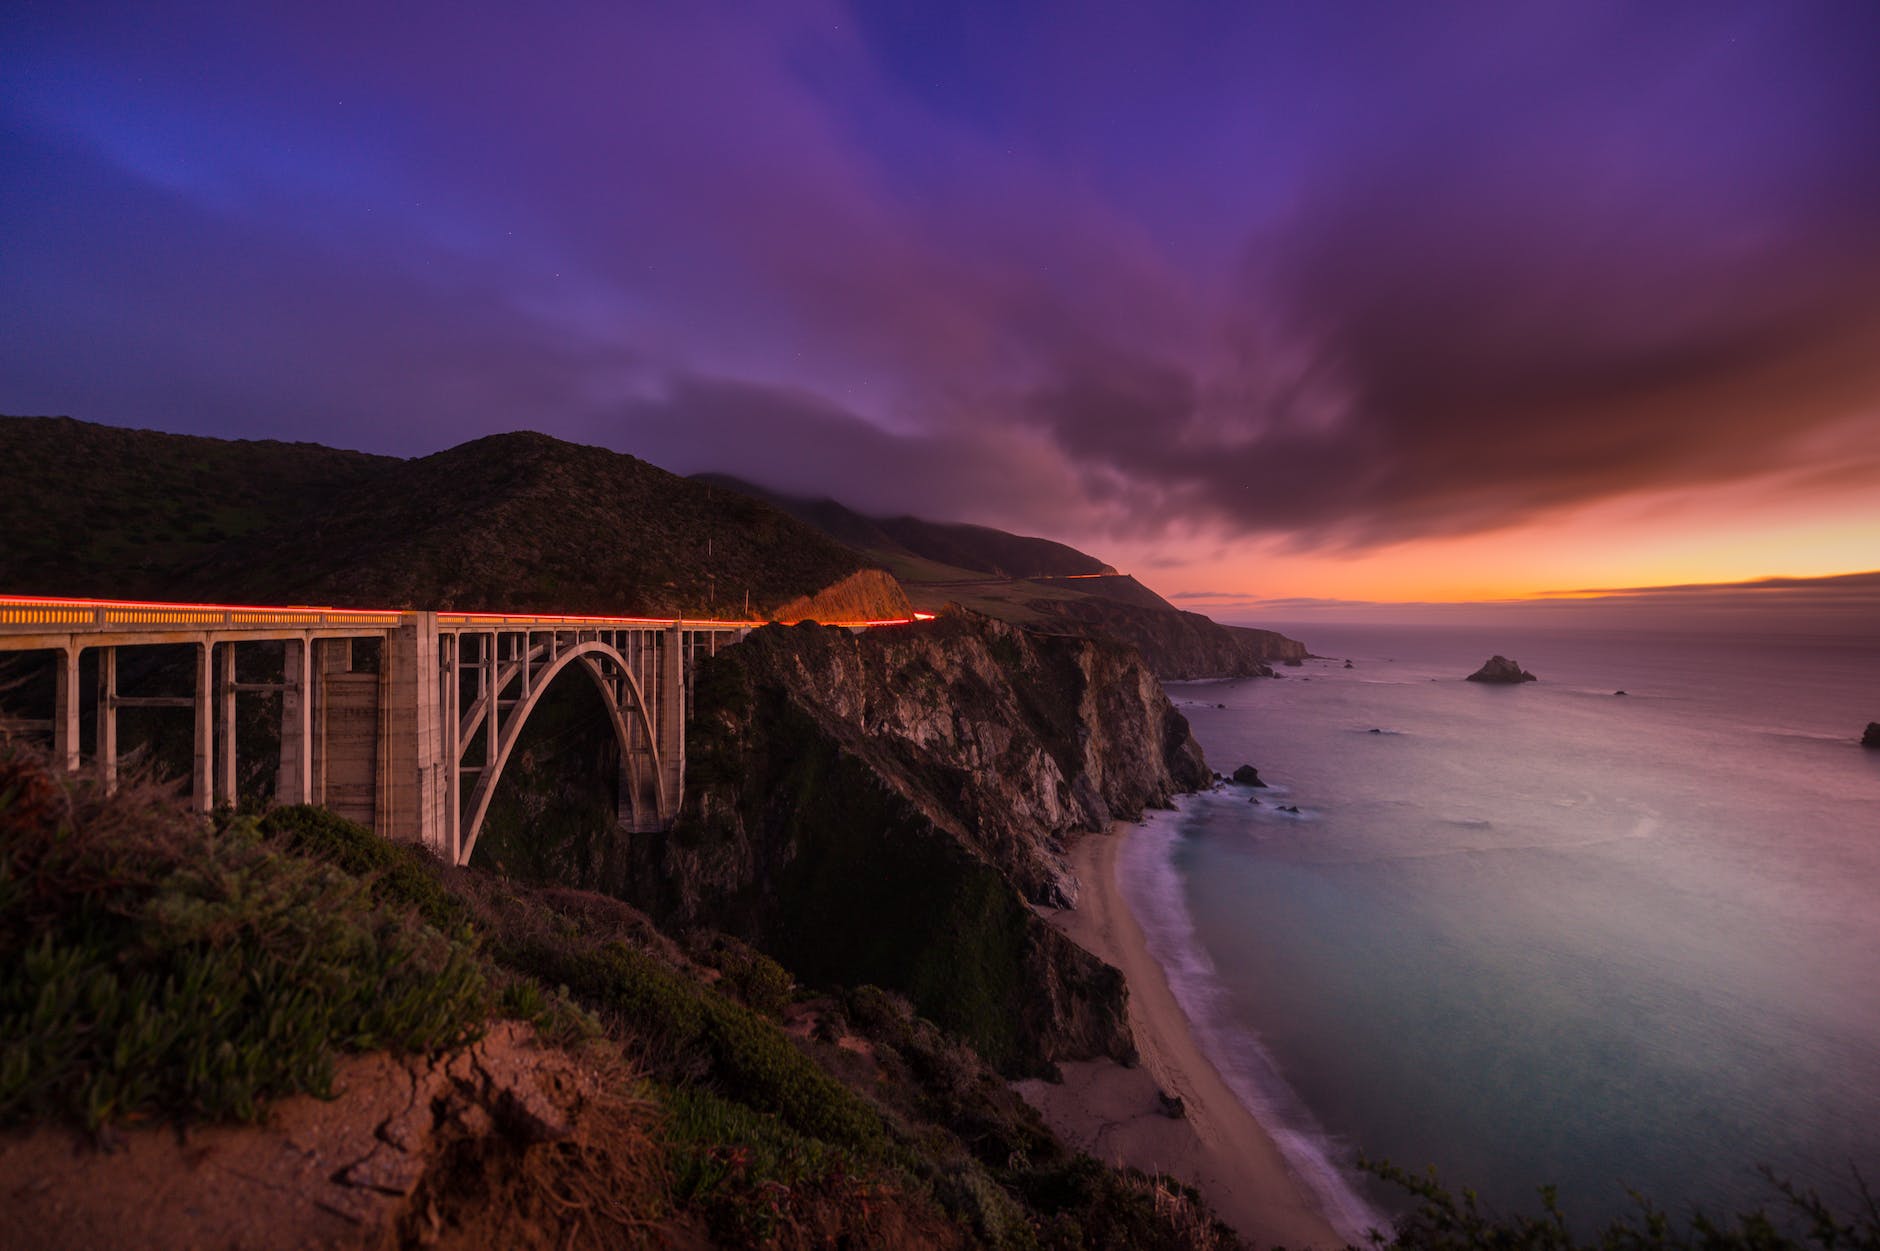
x=397 y=744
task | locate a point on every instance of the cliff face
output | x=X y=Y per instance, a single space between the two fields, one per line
x=880 y=808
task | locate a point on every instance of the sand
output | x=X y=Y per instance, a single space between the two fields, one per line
x=1115 y=1113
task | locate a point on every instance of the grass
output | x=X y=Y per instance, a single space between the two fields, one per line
x=393 y=873
x=735 y=1050
x=1443 y=1220
x=154 y=967
x=161 y=967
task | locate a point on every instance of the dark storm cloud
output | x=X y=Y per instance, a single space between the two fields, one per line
x=1666 y=273
x=1347 y=273
x=800 y=444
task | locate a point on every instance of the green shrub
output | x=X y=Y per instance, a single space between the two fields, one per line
x=399 y=873
x=557 y=1018
x=757 y=1182
x=757 y=980
x=152 y=966
x=1443 y=1221
x=749 y=1059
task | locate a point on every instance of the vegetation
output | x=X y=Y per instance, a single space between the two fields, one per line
x=150 y=966
x=1445 y=1221
x=514 y=521
x=98 y=510
x=160 y=966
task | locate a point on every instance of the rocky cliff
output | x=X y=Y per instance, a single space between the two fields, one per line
x=882 y=808
x=1177 y=645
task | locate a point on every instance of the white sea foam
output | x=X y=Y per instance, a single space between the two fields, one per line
x=1153 y=888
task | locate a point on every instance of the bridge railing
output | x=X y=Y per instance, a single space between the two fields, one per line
x=35 y=613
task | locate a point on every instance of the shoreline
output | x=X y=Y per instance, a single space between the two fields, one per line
x=1115 y=1113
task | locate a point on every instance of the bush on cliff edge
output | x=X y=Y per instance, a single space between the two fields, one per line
x=153 y=966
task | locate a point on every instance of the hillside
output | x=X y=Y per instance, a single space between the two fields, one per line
x=514 y=521
x=1037 y=583
x=286 y=1031
x=962 y=546
x=524 y=521
x=100 y=511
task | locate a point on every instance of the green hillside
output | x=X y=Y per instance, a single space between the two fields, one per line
x=513 y=521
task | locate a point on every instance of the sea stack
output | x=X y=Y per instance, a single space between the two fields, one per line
x=1872 y=737
x=1501 y=669
x=1247 y=775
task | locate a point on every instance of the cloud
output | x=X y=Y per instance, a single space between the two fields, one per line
x=1170 y=275
x=1842 y=604
x=1529 y=299
x=800 y=444
x=1835 y=590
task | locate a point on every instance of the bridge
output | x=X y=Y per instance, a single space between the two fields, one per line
x=403 y=721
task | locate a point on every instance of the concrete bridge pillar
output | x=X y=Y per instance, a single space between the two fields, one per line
x=105 y=732
x=412 y=805
x=65 y=747
x=225 y=773
x=346 y=738
x=671 y=719
x=295 y=784
x=201 y=779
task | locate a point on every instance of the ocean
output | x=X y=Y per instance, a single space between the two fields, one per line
x=1543 y=933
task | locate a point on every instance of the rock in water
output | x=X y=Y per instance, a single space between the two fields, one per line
x=1618 y=692
x=1872 y=737
x=1349 y=665
x=1247 y=775
x=1501 y=669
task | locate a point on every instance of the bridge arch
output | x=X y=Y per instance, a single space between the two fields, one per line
x=626 y=710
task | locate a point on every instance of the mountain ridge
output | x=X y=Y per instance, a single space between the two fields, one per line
x=509 y=522
x=1060 y=588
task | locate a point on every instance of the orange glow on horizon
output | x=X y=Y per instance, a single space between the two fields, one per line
x=1732 y=535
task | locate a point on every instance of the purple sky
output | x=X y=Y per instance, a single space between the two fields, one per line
x=1324 y=277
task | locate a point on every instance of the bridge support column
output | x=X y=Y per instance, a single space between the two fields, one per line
x=65 y=710
x=106 y=726
x=225 y=719
x=411 y=802
x=450 y=673
x=201 y=790
x=671 y=723
x=294 y=784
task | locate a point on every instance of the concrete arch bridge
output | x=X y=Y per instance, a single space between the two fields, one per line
x=403 y=721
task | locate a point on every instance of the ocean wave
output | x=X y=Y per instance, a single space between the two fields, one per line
x=1161 y=910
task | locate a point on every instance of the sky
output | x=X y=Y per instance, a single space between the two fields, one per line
x=1279 y=306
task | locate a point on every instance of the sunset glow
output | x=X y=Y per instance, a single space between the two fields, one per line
x=1260 y=303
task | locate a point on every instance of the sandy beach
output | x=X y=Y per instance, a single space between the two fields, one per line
x=1115 y=1113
